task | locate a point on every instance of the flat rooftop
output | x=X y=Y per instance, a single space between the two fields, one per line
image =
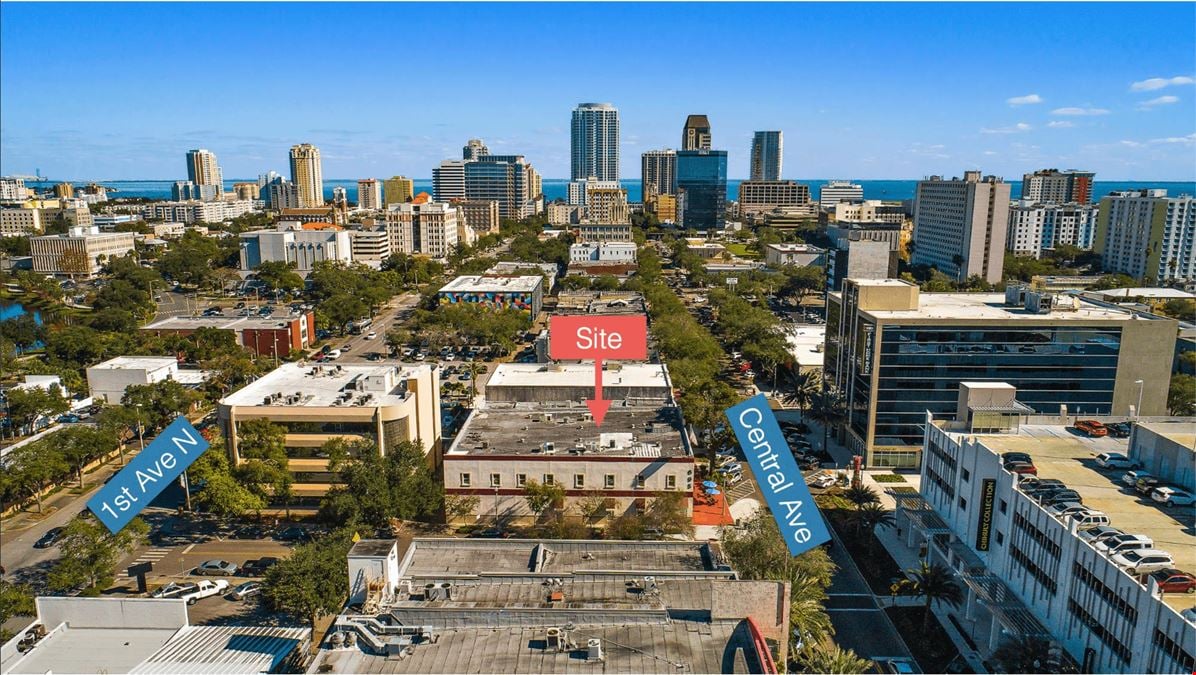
x=1064 y=454
x=563 y=430
x=484 y=284
x=546 y=375
x=322 y=385
x=600 y=302
x=1182 y=433
x=433 y=556
x=137 y=363
x=987 y=306
x=806 y=343
x=92 y=650
x=236 y=323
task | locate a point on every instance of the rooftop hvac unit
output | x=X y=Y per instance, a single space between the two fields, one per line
x=594 y=650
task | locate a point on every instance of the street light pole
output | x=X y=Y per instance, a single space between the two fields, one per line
x=1138 y=410
x=140 y=437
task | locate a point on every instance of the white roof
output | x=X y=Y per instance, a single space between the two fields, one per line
x=482 y=284
x=806 y=344
x=578 y=374
x=322 y=385
x=137 y=363
x=224 y=649
x=1146 y=292
x=992 y=306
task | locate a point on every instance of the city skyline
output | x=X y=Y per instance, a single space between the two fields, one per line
x=1120 y=103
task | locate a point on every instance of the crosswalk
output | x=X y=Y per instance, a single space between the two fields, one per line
x=150 y=555
x=744 y=488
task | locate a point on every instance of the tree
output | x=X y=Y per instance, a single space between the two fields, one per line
x=74 y=262
x=459 y=507
x=869 y=516
x=121 y=422
x=592 y=506
x=264 y=468
x=158 y=403
x=311 y=582
x=800 y=389
x=667 y=514
x=377 y=489
x=541 y=497
x=219 y=492
x=33 y=467
x=80 y=445
x=279 y=276
x=1029 y=654
x=861 y=495
x=833 y=660
x=27 y=404
x=1181 y=395
x=629 y=526
x=826 y=409
x=190 y=260
x=90 y=552
x=934 y=583
x=23 y=331
x=15 y=600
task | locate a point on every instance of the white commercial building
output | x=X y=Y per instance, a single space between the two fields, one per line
x=109 y=380
x=369 y=194
x=193 y=211
x=1147 y=235
x=959 y=226
x=303 y=248
x=95 y=248
x=371 y=247
x=800 y=255
x=12 y=189
x=1037 y=227
x=430 y=228
x=1029 y=573
x=448 y=180
x=595 y=142
x=836 y=191
x=607 y=251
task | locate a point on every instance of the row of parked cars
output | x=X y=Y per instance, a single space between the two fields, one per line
x=1135 y=553
x=207 y=588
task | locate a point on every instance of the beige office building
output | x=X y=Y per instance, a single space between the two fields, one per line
x=397 y=190
x=383 y=403
x=247 y=191
x=307 y=175
x=430 y=228
x=369 y=194
x=16 y=222
x=758 y=196
x=202 y=169
x=47 y=251
x=960 y=225
x=607 y=205
x=480 y=215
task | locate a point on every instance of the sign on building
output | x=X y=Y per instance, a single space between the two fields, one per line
x=984 y=529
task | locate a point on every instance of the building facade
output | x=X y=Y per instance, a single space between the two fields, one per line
x=369 y=194
x=799 y=255
x=768 y=149
x=481 y=216
x=523 y=293
x=398 y=189
x=382 y=404
x=607 y=205
x=695 y=135
x=658 y=173
x=301 y=248
x=448 y=180
x=429 y=229
x=204 y=170
x=1147 y=235
x=893 y=353
x=758 y=196
x=835 y=191
x=959 y=226
x=264 y=336
x=506 y=179
x=1058 y=187
x=18 y=222
x=611 y=251
x=859 y=258
x=475 y=148
x=307 y=174
x=1037 y=227
x=85 y=250
x=702 y=177
x=595 y=142
x=12 y=190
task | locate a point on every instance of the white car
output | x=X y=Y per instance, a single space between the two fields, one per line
x=823 y=481
x=1131 y=477
x=205 y=589
x=1065 y=509
x=1099 y=534
x=1114 y=460
x=371 y=335
x=332 y=355
x=1143 y=561
x=733 y=467
x=1172 y=496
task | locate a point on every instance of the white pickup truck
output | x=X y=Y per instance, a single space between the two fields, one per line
x=205 y=589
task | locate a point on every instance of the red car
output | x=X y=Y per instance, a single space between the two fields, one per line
x=1022 y=467
x=1175 y=581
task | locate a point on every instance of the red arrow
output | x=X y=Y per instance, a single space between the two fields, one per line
x=597 y=405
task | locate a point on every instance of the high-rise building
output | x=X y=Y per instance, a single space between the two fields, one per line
x=658 y=173
x=399 y=189
x=17 y=222
x=202 y=169
x=1147 y=235
x=264 y=179
x=768 y=149
x=758 y=196
x=64 y=190
x=247 y=190
x=430 y=228
x=369 y=194
x=12 y=189
x=595 y=142
x=1037 y=227
x=959 y=225
x=283 y=194
x=479 y=216
x=506 y=179
x=579 y=189
x=474 y=149
x=185 y=190
x=448 y=180
x=308 y=175
x=1058 y=187
x=702 y=177
x=895 y=353
x=835 y=191
x=695 y=135
x=607 y=205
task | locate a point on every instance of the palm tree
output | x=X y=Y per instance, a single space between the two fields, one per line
x=801 y=388
x=825 y=410
x=861 y=495
x=809 y=624
x=867 y=517
x=836 y=660
x=1028 y=654
x=934 y=583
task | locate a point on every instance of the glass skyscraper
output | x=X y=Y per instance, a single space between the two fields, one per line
x=595 y=142
x=702 y=179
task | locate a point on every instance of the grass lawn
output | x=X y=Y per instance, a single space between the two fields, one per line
x=931 y=647
x=887 y=478
x=740 y=249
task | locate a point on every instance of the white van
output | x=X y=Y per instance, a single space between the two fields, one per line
x=1086 y=520
x=1124 y=542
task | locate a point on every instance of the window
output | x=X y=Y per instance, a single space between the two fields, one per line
x=579 y=481
x=1004 y=506
x=670 y=482
x=639 y=482
x=608 y=481
x=466 y=479
x=496 y=480
x=965 y=474
x=963 y=504
x=549 y=479
x=1000 y=538
x=520 y=479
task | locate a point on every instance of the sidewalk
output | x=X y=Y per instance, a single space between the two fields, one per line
x=66 y=495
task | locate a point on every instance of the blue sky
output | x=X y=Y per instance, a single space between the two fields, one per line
x=121 y=91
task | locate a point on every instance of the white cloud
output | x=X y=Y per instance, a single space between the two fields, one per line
x=1131 y=144
x=1190 y=139
x=1024 y=100
x=1016 y=128
x=989 y=153
x=1159 y=82
x=1073 y=111
x=1162 y=100
x=1060 y=124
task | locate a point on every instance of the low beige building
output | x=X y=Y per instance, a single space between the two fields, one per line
x=18 y=222
x=48 y=252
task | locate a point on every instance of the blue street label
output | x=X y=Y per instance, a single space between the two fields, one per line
x=150 y=472
x=780 y=480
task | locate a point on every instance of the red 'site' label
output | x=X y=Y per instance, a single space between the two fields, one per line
x=598 y=337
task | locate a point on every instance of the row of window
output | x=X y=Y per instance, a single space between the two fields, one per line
x=1039 y=537
x=579 y=481
x=1120 y=650
x=1110 y=596
x=1040 y=575
x=1176 y=651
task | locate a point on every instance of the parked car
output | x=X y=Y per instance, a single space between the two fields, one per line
x=823 y=481
x=247 y=590
x=205 y=589
x=1056 y=495
x=1022 y=468
x=258 y=566
x=1060 y=509
x=1119 y=429
x=1089 y=518
x=1131 y=477
x=902 y=667
x=1146 y=485
x=173 y=590
x=733 y=467
x=1125 y=542
x=492 y=533
x=293 y=533
x=1099 y=534
x=216 y=568
x=1114 y=460
x=50 y=538
x=1171 y=580
x=1007 y=457
x=1172 y=496
x=332 y=355
x=1091 y=428
x=1143 y=561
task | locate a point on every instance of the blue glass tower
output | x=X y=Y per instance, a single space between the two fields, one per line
x=702 y=175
